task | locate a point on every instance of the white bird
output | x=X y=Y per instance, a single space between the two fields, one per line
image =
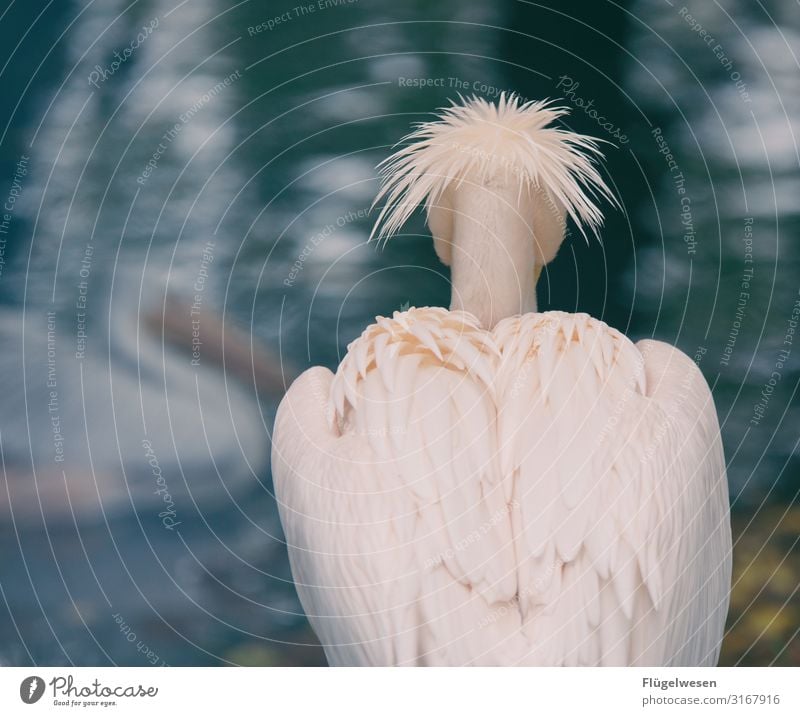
x=490 y=485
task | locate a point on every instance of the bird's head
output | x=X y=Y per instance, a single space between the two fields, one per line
x=498 y=183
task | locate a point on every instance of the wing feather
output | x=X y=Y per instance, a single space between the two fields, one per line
x=395 y=520
x=550 y=495
x=620 y=478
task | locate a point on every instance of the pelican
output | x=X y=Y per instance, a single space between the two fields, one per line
x=491 y=485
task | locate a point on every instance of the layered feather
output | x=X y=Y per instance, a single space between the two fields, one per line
x=547 y=493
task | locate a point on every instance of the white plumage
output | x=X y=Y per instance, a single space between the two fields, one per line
x=531 y=490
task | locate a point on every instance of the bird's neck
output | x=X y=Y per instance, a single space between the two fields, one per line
x=493 y=256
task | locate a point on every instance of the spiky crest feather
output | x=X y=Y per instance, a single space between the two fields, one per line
x=476 y=141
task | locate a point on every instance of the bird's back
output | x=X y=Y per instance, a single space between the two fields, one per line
x=546 y=493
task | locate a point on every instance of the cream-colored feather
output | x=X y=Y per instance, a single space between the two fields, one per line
x=511 y=500
x=480 y=141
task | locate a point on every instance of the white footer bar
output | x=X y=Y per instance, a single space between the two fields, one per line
x=405 y=692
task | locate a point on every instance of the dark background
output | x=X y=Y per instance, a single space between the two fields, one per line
x=90 y=574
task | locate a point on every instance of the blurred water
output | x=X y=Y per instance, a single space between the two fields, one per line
x=261 y=146
x=728 y=109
